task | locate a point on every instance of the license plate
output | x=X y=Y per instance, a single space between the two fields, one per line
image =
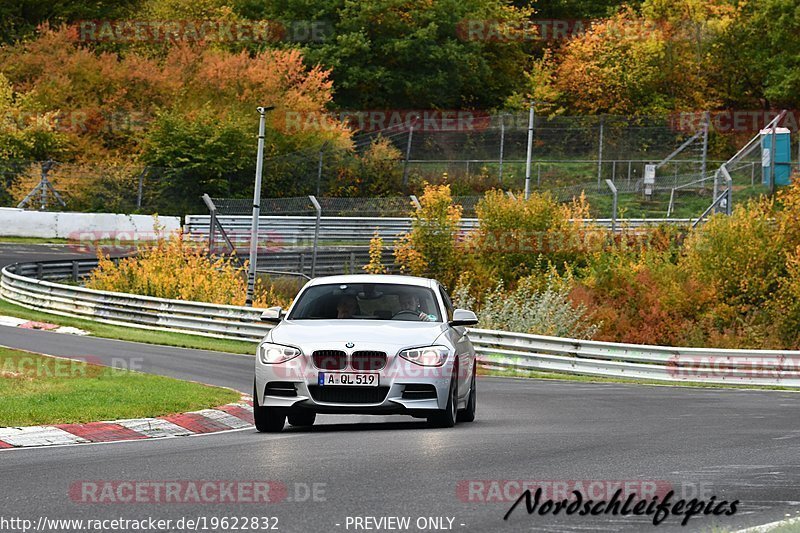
x=349 y=379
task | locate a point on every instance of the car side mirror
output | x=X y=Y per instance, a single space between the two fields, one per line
x=463 y=317
x=273 y=314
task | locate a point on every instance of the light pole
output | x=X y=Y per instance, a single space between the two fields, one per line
x=251 y=273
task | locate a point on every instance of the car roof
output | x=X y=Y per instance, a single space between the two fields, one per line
x=373 y=278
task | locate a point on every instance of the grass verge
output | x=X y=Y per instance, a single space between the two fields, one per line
x=558 y=376
x=39 y=389
x=110 y=331
x=32 y=240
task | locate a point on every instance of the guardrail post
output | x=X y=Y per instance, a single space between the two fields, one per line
x=352 y=262
x=318 y=208
x=74 y=271
x=39 y=271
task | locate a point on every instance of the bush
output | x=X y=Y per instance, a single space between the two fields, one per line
x=516 y=237
x=376 y=172
x=531 y=308
x=431 y=249
x=375 y=265
x=176 y=269
x=742 y=256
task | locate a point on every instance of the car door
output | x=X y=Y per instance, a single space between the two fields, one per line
x=463 y=347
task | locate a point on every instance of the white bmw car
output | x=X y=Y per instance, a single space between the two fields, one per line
x=366 y=344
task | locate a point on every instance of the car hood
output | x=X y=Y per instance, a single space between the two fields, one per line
x=384 y=332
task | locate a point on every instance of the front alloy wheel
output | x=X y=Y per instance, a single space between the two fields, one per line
x=468 y=413
x=446 y=418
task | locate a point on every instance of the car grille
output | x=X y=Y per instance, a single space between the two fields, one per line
x=335 y=394
x=330 y=359
x=368 y=360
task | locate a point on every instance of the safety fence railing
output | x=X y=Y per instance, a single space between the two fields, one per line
x=496 y=349
x=225 y=321
x=292 y=230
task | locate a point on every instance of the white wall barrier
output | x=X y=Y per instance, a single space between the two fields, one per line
x=82 y=226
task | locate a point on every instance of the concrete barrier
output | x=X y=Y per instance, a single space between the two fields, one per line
x=82 y=226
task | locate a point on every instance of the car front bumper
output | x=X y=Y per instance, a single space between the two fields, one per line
x=404 y=388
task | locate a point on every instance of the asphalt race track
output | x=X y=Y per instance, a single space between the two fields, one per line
x=733 y=444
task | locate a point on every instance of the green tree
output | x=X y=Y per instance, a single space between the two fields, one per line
x=758 y=56
x=19 y=18
x=196 y=153
x=411 y=53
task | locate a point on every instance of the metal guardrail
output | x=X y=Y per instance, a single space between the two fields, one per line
x=521 y=351
x=496 y=349
x=297 y=229
x=223 y=321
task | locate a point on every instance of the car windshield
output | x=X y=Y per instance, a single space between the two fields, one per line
x=367 y=301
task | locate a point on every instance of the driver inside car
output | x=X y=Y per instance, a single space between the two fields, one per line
x=409 y=303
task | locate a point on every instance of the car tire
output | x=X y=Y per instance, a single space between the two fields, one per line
x=446 y=418
x=267 y=419
x=302 y=419
x=468 y=413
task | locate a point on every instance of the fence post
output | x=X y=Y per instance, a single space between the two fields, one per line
x=705 y=148
x=772 y=160
x=215 y=224
x=502 y=144
x=319 y=170
x=600 y=154
x=629 y=174
x=139 y=189
x=318 y=208
x=531 y=118
x=613 y=205
x=408 y=156
x=729 y=183
x=415 y=201
x=212 y=221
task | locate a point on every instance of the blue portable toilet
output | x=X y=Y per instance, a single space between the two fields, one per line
x=783 y=155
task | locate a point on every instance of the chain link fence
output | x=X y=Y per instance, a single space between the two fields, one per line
x=570 y=156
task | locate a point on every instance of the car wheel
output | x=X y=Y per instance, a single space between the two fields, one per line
x=446 y=418
x=303 y=418
x=267 y=419
x=468 y=413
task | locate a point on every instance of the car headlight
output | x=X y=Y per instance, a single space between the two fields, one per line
x=426 y=356
x=271 y=354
